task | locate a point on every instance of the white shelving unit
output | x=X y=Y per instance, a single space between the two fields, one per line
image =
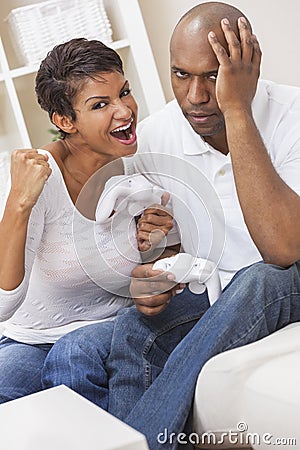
x=24 y=125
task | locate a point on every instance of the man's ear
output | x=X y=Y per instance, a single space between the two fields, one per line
x=65 y=123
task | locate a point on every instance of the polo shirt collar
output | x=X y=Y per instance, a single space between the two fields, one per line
x=193 y=144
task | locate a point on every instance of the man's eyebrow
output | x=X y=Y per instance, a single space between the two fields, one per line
x=177 y=69
x=104 y=97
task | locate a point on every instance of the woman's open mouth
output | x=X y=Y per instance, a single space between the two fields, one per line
x=125 y=134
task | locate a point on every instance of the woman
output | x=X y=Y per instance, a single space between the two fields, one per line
x=50 y=284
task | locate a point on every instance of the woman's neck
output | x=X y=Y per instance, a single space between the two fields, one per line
x=83 y=168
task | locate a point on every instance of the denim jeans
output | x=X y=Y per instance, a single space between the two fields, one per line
x=142 y=344
x=79 y=359
x=152 y=363
x=259 y=300
x=20 y=368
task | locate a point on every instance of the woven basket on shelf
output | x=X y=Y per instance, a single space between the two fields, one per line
x=36 y=28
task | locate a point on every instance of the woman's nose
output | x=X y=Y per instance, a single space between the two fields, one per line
x=122 y=111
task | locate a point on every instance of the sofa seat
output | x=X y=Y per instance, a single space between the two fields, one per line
x=254 y=389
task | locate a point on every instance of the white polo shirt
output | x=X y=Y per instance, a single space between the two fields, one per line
x=200 y=178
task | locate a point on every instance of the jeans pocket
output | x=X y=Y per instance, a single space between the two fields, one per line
x=159 y=346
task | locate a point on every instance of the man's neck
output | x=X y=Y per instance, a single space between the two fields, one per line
x=218 y=142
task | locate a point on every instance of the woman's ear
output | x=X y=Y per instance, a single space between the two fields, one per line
x=65 y=123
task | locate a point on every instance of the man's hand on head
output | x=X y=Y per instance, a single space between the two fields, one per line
x=239 y=67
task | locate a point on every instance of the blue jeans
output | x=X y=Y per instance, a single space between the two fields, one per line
x=153 y=363
x=259 y=300
x=79 y=359
x=20 y=368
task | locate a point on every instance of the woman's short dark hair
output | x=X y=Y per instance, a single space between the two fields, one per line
x=66 y=67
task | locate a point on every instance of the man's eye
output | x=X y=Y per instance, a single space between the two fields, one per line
x=99 y=105
x=180 y=74
x=213 y=76
x=125 y=92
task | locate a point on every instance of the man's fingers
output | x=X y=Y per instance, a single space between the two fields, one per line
x=140 y=289
x=234 y=44
x=151 y=311
x=165 y=198
x=158 y=210
x=153 y=226
x=153 y=301
x=144 y=271
x=218 y=49
x=246 y=40
x=152 y=306
x=152 y=236
x=146 y=222
x=144 y=245
x=256 y=58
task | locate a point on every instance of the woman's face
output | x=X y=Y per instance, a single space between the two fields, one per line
x=106 y=115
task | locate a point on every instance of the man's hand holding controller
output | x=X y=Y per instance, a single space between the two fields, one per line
x=201 y=274
x=153 y=286
x=152 y=289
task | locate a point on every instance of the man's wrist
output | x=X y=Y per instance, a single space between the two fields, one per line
x=238 y=114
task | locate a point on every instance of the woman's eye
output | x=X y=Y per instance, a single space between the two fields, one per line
x=99 y=105
x=125 y=92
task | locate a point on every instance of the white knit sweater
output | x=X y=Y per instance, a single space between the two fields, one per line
x=74 y=269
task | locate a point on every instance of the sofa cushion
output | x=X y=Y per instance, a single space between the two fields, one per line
x=255 y=386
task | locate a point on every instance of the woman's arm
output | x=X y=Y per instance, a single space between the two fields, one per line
x=29 y=172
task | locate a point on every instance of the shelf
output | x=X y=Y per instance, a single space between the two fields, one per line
x=26 y=70
x=25 y=125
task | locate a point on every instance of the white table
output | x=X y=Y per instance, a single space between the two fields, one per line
x=61 y=419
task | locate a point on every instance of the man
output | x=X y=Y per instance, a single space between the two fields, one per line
x=244 y=138
x=239 y=140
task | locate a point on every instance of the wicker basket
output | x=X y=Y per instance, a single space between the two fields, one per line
x=37 y=28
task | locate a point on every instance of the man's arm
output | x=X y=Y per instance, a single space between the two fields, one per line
x=271 y=209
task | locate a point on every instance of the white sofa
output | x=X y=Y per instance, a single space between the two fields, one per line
x=255 y=389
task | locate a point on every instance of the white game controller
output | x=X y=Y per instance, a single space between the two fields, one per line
x=199 y=273
x=133 y=192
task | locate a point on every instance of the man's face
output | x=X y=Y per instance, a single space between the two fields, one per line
x=194 y=70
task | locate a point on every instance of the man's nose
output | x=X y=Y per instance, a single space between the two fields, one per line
x=197 y=92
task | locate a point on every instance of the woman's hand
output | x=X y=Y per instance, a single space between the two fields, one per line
x=29 y=173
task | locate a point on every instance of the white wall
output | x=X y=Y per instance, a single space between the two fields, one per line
x=275 y=22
